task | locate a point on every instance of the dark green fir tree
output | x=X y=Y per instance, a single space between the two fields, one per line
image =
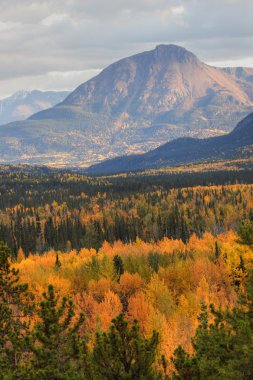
x=59 y=353
x=15 y=307
x=122 y=354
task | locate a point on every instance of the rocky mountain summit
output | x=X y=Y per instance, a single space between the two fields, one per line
x=132 y=106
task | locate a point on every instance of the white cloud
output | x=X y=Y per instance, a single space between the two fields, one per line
x=178 y=10
x=54 y=19
x=67 y=80
x=7 y=26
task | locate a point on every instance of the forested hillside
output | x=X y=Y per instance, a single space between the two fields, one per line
x=238 y=144
x=64 y=211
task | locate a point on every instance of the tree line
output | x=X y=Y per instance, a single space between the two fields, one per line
x=88 y=221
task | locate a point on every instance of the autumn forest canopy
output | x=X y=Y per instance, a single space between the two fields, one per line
x=126 y=190
x=126 y=277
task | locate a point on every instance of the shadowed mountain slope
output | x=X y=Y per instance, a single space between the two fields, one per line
x=236 y=144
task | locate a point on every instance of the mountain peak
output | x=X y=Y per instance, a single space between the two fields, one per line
x=133 y=105
x=21 y=94
x=24 y=103
x=175 y=52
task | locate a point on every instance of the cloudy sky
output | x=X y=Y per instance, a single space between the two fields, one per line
x=58 y=44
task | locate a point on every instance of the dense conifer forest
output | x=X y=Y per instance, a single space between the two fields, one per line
x=47 y=209
x=126 y=277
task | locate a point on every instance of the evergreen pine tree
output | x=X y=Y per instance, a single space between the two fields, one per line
x=59 y=352
x=57 y=261
x=121 y=353
x=39 y=236
x=185 y=365
x=14 y=308
x=246 y=232
x=118 y=266
x=217 y=251
x=223 y=348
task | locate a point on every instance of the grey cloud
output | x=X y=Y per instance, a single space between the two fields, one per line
x=40 y=37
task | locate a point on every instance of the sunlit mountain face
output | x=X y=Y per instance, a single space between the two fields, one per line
x=133 y=106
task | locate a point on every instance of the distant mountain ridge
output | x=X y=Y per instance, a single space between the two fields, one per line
x=236 y=144
x=23 y=104
x=132 y=106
